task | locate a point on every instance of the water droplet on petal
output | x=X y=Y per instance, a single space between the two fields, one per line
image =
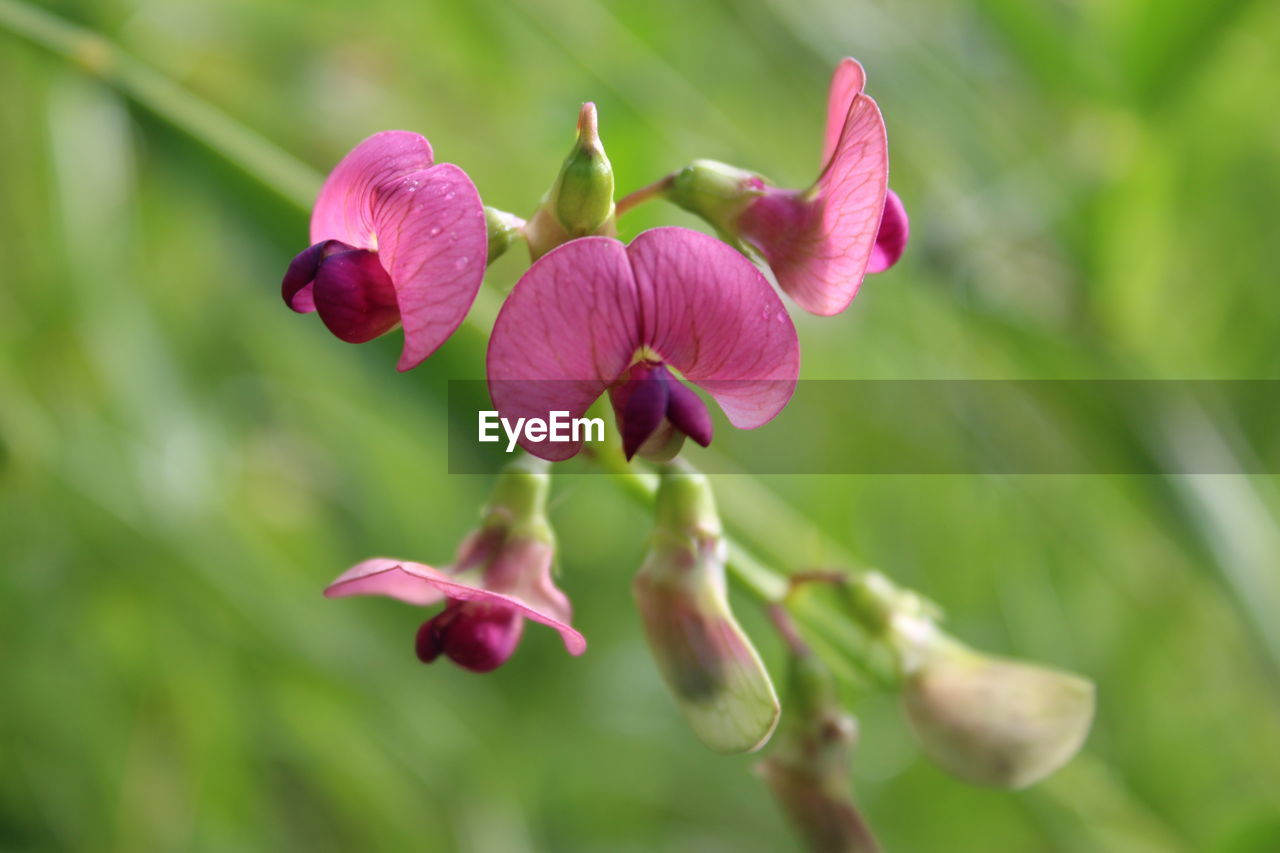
x=449 y=196
x=460 y=263
x=434 y=230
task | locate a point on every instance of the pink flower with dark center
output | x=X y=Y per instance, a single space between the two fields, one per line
x=595 y=315
x=492 y=590
x=396 y=240
x=820 y=242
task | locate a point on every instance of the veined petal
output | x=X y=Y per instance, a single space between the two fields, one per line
x=891 y=239
x=433 y=241
x=416 y=583
x=411 y=583
x=710 y=313
x=344 y=208
x=846 y=84
x=565 y=333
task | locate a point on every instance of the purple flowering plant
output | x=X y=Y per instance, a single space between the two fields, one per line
x=399 y=240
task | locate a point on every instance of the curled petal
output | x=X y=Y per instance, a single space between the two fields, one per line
x=565 y=333
x=640 y=404
x=846 y=84
x=710 y=313
x=297 y=287
x=416 y=583
x=819 y=243
x=354 y=297
x=344 y=208
x=891 y=240
x=688 y=413
x=477 y=636
x=434 y=243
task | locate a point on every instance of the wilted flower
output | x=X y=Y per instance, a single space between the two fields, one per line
x=821 y=241
x=502 y=576
x=706 y=659
x=594 y=314
x=992 y=721
x=396 y=240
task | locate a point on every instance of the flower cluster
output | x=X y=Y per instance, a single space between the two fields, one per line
x=399 y=240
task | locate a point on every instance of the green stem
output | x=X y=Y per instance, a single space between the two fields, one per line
x=270 y=165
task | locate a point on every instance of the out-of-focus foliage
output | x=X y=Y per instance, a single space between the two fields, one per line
x=184 y=463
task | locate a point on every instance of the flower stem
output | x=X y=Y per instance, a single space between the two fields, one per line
x=270 y=165
x=646 y=193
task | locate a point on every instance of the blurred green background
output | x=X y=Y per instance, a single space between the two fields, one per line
x=184 y=463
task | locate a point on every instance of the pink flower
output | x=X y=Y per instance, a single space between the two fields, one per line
x=595 y=315
x=485 y=605
x=821 y=241
x=395 y=240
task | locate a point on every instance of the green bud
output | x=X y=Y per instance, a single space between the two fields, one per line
x=715 y=191
x=993 y=721
x=706 y=659
x=504 y=229
x=580 y=202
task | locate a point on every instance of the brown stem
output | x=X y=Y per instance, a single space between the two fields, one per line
x=652 y=191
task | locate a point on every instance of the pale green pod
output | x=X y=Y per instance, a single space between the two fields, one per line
x=706 y=659
x=993 y=721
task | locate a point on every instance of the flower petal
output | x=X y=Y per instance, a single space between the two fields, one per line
x=846 y=84
x=710 y=313
x=354 y=297
x=344 y=208
x=392 y=578
x=432 y=239
x=891 y=240
x=416 y=583
x=297 y=287
x=567 y=330
x=688 y=413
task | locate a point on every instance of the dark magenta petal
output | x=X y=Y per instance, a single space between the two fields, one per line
x=296 y=287
x=688 y=413
x=354 y=296
x=891 y=240
x=640 y=404
x=478 y=636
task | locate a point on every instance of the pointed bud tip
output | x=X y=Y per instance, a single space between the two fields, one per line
x=588 y=128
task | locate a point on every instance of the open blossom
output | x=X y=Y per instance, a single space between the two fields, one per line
x=819 y=241
x=595 y=315
x=484 y=613
x=502 y=577
x=397 y=239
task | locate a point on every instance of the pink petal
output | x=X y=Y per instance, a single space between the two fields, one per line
x=354 y=297
x=846 y=84
x=392 y=578
x=433 y=241
x=891 y=240
x=420 y=584
x=710 y=313
x=344 y=208
x=567 y=330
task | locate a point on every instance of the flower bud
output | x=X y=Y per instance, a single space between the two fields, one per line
x=504 y=229
x=707 y=661
x=717 y=192
x=808 y=769
x=993 y=721
x=580 y=202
